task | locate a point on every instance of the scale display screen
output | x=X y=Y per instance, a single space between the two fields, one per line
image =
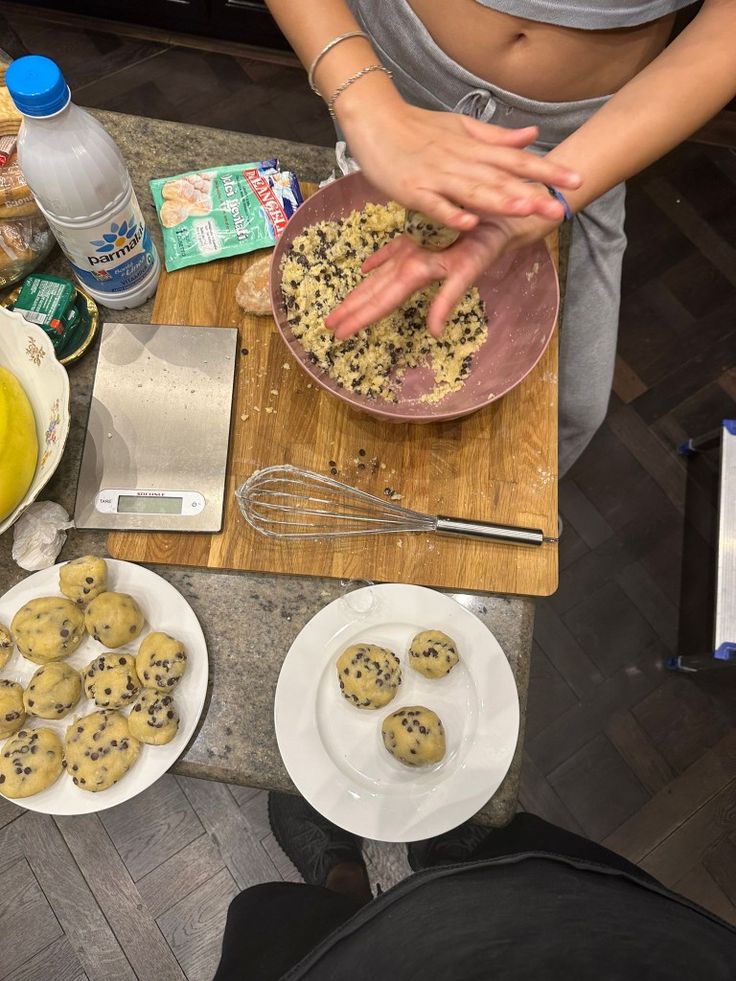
x=128 y=504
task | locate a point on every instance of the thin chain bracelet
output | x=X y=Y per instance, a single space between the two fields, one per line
x=349 y=81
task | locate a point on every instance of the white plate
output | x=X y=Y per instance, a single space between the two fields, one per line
x=166 y=610
x=334 y=752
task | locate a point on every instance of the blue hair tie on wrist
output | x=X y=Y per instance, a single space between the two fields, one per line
x=559 y=196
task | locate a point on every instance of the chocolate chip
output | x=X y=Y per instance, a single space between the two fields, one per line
x=89 y=580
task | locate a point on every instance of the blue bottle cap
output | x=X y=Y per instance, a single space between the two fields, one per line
x=37 y=86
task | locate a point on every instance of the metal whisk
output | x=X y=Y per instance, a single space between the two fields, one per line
x=287 y=502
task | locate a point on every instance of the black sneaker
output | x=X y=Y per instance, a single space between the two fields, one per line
x=453 y=846
x=310 y=841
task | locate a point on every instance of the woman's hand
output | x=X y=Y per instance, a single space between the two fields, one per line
x=455 y=169
x=402 y=267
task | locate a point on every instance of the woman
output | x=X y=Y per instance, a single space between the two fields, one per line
x=607 y=96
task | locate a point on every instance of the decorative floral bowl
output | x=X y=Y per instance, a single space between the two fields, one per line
x=29 y=354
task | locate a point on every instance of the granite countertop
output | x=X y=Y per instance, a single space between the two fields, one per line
x=249 y=620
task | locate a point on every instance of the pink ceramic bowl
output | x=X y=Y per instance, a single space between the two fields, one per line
x=521 y=293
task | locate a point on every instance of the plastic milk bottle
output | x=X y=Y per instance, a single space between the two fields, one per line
x=81 y=185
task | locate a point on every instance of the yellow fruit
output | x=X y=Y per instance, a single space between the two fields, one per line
x=18 y=443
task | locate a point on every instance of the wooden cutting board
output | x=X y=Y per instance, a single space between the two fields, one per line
x=499 y=464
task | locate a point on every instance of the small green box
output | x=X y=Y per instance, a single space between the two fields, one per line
x=48 y=301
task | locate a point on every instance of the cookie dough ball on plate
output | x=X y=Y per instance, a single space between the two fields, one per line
x=161 y=661
x=154 y=719
x=12 y=713
x=111 y=680
x=433 y=654
x=6 y=644
x=48 y=629
x=99 y=750
x=114 y=619
x=53 y=691
x=30 y=762
x=368 y=675
x=84 y=578
x=414 y=735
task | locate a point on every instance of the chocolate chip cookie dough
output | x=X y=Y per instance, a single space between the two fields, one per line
x=154 y=718
x=111 y=680
x=321 y=268
x=114 y=619
x=53 y=691
x=84 y=578
x=12 y=713
x=368 y=675
x=99 y=750
x=30 y=762
x=433 y=654
x=161 y=661
x=48 y=629
x=6 y=644
x=414 y=735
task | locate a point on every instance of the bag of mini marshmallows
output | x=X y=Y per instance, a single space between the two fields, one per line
x=223 y=211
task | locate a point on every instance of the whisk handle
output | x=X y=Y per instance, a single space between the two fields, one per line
x=489 y=532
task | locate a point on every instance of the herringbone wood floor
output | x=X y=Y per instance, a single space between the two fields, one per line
x=616 y=747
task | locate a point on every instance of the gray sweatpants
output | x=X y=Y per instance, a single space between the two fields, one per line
x=428 y=78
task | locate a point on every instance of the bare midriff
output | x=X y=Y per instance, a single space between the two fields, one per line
x=541 y=61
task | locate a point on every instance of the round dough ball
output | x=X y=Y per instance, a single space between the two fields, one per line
x=368 y=675
x=414 y=735
x=6 y=644
x=84 y=578
x=12 y=713
x=433 y=654
x=53 y=691
x=114 y=619
x=30 y=762
x=111 y=680
x=48 y=628
x=154 y=718
x=99 y=750
x=161 y=661
x=429 y=233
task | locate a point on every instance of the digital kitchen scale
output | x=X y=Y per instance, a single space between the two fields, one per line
x=155 y=452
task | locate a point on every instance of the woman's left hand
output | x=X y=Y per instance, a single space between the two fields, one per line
x=402 y=267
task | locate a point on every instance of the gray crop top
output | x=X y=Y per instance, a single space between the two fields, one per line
x=589 y=15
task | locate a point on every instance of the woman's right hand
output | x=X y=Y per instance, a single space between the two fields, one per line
x=453 y=168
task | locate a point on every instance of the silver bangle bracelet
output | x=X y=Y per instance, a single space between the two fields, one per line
x=349 y=81
x=328 y=47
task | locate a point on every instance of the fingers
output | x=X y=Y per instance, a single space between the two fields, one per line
x=396 y=245
x=489 y=194
x=400 y=269
x=435 y=205
x=513 y=158
x=498 y=135
x=466 y=263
